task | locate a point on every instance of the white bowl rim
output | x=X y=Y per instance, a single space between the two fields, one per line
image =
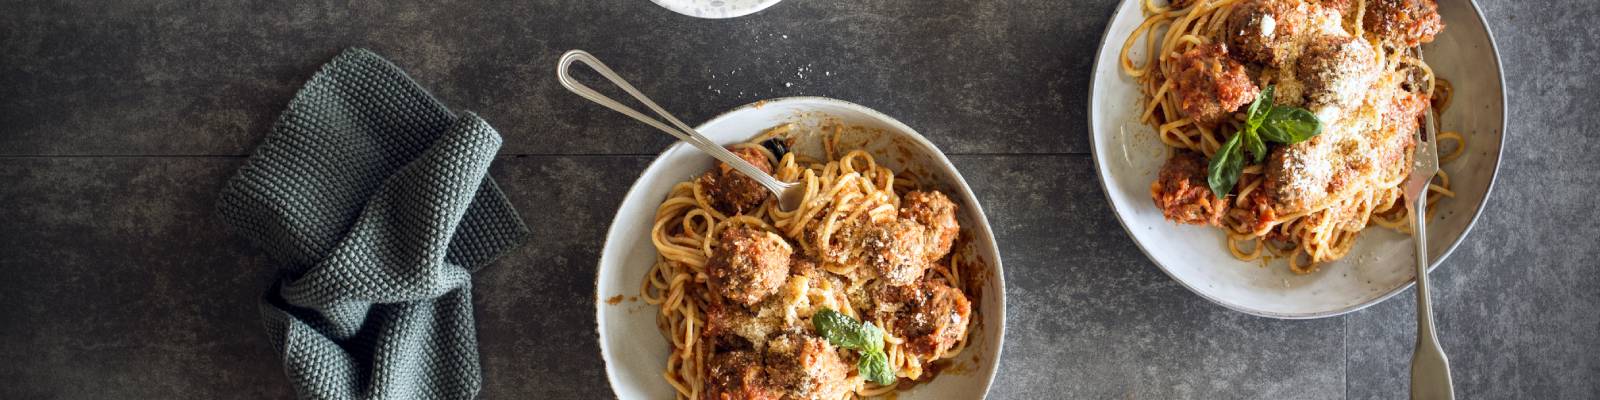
x=1477 y=211
x=998 y=272
x=677 y=8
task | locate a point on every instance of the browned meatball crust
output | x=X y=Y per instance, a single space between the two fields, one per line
x=1182 y=194
x=1341 y=6
x=1210 y=85
x=748 y=264
x=1301 y=176
x=1405 y=23
x=898 y=251
x=802 y=265
x=737 y=375
x=806 y=367
x=731 y=324
x=931 y=316
x=844 y=244
x=1337 y=71
x=732 y=192
x=1264 y=31
x=935 y=212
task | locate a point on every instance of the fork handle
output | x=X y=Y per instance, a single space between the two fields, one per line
x=1430 y=369
x=682 y=132
x=1419 y=229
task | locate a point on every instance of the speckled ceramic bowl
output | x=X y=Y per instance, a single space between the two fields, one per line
x=1128 y=154
x=716 y=8
x=635 y=351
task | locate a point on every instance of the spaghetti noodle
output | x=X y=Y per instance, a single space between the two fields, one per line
x=845 y=193
x=1320 y=232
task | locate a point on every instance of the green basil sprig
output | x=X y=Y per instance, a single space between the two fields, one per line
x=865 y=339
x=1264 y=122
x=1225 y=167
x=1290 y=125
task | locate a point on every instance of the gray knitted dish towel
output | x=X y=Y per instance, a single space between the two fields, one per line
x=374 y=200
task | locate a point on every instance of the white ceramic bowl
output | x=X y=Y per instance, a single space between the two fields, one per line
x=1128 y=155
x=715 y=8
x=634 y=350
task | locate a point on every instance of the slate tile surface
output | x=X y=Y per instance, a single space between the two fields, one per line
x=121 y=282
x=112 y=77
x=118 y=120
x=1090 y=317
x=1516 y=303
x=535 y=308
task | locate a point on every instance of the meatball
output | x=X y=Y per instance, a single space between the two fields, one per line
x=1337 y=72
x=1210 y=85
x=802 y=265
x=1341 y=6
x=844 y=244
x=1337 y=163
x=931 y=316
x=897 y=250
x=937 y=213
x=732 y=192
x=1264 y=31
x=737 y=375
x=1302 y=175
x=748 y=264
x=1182 y=194
x=1404 y=23
x=802 y=366
x=727 y=323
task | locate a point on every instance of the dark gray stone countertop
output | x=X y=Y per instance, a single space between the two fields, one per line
x=119 y=121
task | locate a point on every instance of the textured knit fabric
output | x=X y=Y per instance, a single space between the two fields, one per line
x=374 y=200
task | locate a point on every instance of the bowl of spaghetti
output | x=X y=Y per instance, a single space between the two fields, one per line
x=886 y=280
x=1254 y=148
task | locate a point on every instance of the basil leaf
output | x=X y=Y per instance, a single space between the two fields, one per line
x=1253 y=142
x=1259 y=109
x=875 y=367
x=1225 y=166
x=1290 y=125
x=871 y=338
x=846 y=332
x=865 y=339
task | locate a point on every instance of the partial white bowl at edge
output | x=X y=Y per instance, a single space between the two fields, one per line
x=715 y=9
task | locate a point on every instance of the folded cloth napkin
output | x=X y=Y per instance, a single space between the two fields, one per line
x=374 y=200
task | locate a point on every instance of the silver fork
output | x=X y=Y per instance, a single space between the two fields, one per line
x=1430 y=370
x=789 y=194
